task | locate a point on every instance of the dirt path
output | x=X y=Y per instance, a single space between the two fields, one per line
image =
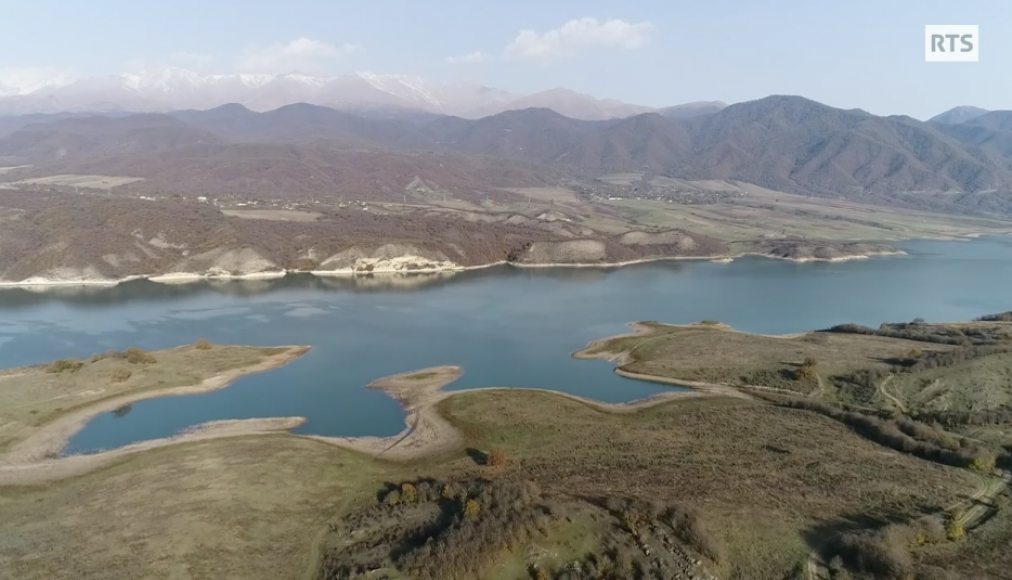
x=969 y=513
x=973 y=510
x=882 y=389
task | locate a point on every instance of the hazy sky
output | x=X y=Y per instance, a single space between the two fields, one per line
x=847 y=53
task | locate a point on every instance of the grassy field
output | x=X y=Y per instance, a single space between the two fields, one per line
x=33 y=396
x=87 y=181
x=283 y=215
x=885 y=372
x=238 y=508
x=767 y=480
x=711 y=485
x=714 y=353
x=760 y=213
x=985 y=555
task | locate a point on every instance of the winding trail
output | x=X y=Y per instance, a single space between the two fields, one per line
x=969 y=513
x=882 y=389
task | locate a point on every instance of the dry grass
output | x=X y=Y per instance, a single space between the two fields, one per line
x=985 y=554
x=31 y=397
x=283 y=215
x=716 y=354
x=86 y=181
x=234 y=508
x=765 y=478
x=765 y=213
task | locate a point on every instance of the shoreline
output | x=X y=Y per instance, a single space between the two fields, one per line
x=427 y=432
x=48 y=470
x=419 y=393
x=193 y=277
x=40 y=447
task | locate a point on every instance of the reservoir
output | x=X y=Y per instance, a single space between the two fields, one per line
x=505 y=326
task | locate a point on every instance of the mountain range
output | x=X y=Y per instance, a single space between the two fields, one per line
x=783 y=143
x=174 y=88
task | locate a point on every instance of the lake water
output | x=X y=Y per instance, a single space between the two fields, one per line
x=505 y=326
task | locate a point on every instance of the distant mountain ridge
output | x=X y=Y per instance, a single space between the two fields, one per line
x=174 y=89
x=782 y=142
x=957 y=115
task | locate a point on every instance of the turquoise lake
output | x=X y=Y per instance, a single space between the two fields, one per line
x=507 y=327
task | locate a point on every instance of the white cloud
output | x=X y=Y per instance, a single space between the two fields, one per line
x=24 y=80
x=197 y=61
x=577 y=35
x=469 y=58
x=303 y=55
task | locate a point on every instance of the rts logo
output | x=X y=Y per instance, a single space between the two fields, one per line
x=951 y=43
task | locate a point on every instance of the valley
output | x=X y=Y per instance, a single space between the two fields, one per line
x=505 y=291
x=101 y=199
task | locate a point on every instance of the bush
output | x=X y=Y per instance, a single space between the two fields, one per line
x=690 y=529
x=875 y=554
x=202 y=344
x=450 y=491
x=121 y=375
x=497 y=457
x=954 y=530
x=471 y=509
x=983 y=463
x=408 y=493
x=134 y=355
x=900 y=434
x=64 y=365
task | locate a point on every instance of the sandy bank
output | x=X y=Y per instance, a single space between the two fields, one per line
x=836 y=259
x=427 y=432
x=598 y=350
x=187 y=277
x=47 y=470
x=39 y=450
x=191 y=277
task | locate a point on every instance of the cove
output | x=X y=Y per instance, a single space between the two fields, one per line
x=506 y=326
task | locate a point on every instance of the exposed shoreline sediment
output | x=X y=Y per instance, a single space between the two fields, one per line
x=38 y=453
x=192 y=277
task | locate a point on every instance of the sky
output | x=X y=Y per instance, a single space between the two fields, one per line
x=854 y=54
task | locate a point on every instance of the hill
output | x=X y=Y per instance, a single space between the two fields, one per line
x=783 y=143
x=957 y=115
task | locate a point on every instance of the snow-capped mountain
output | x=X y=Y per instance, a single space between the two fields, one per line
x=175 y=88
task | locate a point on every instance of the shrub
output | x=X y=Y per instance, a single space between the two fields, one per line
x=134 y=355
x=690 y=529
x=929 y=530
x=408 y=493
x=64 y=365
x=983 y=463
x=120 y=375
x=807 y=370
x=954 y=530
x=202 y=344
x=449 y=491
x=876 y=554
x=497 y=457
x=392 y=498
x=471 y=509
